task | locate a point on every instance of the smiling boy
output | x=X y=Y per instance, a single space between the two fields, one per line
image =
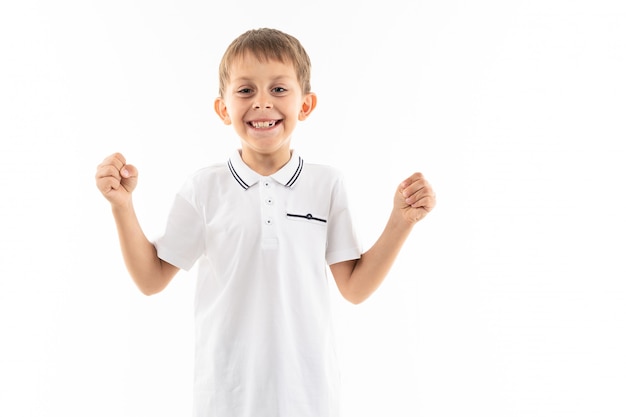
x=263 y=227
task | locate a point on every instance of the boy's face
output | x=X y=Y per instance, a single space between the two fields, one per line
x=263 y=101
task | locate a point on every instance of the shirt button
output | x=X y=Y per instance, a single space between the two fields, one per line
x=269 y=201
x=268 y=222
x=267 y=184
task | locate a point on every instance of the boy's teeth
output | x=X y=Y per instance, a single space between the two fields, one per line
x=263 y=124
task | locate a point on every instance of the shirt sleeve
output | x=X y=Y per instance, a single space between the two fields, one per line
x=182 y=243
x=343 y=243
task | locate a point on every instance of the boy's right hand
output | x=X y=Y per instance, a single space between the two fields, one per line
x=116 y=180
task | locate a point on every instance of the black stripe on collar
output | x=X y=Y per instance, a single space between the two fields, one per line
x=236 y=176
x=295 y=176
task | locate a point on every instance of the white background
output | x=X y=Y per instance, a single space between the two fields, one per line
x=508 y=300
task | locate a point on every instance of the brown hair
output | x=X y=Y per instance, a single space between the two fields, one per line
x=267 y=44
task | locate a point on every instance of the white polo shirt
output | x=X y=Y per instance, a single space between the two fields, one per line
x=264 y=340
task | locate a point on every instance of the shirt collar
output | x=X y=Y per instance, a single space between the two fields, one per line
x=246 y=177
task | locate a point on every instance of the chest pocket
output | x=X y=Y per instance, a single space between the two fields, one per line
x=309 y=226
x=309 y=220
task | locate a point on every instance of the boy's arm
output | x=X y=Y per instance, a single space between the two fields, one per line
x=116 y=181
x=358 y=279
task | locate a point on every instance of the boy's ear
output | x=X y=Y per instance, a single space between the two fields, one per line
x=308 y=105
x=220 y=109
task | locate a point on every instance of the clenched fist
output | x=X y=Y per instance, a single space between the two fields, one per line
x=116 y=180
x=415 y=198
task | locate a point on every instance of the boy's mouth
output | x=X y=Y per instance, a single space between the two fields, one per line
x=263 y=124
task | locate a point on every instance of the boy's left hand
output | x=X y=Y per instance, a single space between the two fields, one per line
x=414 y=198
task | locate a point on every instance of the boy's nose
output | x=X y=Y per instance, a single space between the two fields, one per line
x=262 y=102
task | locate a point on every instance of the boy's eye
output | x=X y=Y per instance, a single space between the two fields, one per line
x=244 y=91
x=279 y=89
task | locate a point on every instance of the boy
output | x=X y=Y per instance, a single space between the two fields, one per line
x=263 y=227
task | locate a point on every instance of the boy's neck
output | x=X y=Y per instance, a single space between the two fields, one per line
x=266 y=164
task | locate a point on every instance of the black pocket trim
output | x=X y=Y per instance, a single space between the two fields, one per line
x=306 y=216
